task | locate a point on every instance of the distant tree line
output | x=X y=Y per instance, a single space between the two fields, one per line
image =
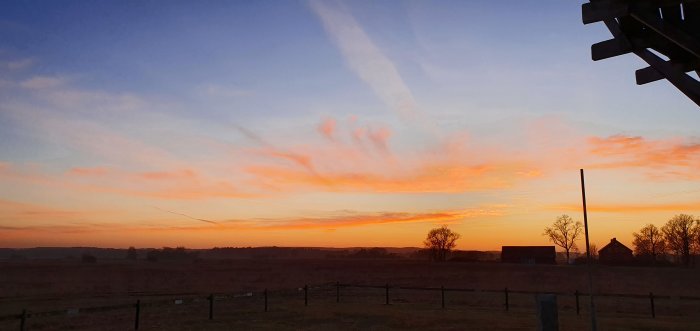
x=170 y=254
x=679 y=239
x=371 y=253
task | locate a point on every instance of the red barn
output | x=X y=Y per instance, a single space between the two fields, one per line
x=615 y=253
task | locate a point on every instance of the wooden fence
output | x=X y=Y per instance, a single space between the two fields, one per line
x=339 y=290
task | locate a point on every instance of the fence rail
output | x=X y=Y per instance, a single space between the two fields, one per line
x=212 y=298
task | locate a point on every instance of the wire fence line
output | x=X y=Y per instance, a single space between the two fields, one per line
x=327 y=290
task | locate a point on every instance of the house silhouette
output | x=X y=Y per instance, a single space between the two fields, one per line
x=615 y=253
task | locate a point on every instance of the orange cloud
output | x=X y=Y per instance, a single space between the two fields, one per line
x=254 y=231
x=345 y=220
x=632 y=208
x=453 y=165
x=18 y=211
x=450 y=167
x=356 y=220
x=676 y=157
x=445 y=178
x=184 y=184
x=95 y=171
x=169 y=175
x=298 y=158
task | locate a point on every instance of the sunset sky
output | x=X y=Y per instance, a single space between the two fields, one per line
x=324 y=123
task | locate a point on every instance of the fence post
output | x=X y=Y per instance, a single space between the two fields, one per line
x=265 y=293
x=24 y=320
x=211 y=306
x=442 y=292
x=138 y=313
x=506 y=294
x=337 y=291
x=387 y=293
x=651 y=299
x=547 y=312
x=306 y=295
x=578 y=309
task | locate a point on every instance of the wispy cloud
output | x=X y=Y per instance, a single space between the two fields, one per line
x=187 y=216
x=356 y=219
x=23 y=212
x=223 y=91
x=672 y=158
x=20 y=64
x=438 y=178
x=447 y=168
x=182 y=184
x=380 y=138
x=42 y=82
x=344 y=219
x=627 y=208
x=364 y=57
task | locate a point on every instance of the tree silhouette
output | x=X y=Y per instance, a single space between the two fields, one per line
x=649 y=243
x=440 y=242
x=594 y=251
x=564 y=233
x=680 y=233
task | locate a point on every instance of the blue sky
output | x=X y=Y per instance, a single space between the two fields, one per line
x=415 y=113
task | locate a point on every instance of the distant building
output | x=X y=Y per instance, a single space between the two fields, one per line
x=615 y=253
x=528 y=254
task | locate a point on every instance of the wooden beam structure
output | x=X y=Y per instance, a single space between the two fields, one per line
x=663 y=33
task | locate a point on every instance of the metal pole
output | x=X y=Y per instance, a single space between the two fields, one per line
x=337 y=291
x=651 y=299
x=578 y=308
x=594 y=324
x=506 y=294
x=306 y=295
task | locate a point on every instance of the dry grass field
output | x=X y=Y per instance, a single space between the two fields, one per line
x=62 y=285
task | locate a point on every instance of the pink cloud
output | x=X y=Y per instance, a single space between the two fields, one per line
x=380 y=138
x=85 y=171
x=327 y=128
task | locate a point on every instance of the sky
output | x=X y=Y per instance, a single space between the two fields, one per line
x=326 y=123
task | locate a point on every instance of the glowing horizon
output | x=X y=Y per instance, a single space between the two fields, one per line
x=328 y=124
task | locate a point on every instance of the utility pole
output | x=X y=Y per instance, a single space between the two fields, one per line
x=589 y=263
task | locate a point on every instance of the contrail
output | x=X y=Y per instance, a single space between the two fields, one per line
x=185 y=215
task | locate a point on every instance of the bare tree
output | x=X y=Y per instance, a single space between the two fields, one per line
x=440 y=242
x=649 y=243
x=594 y=251
x=680 y=233
x=564 y=233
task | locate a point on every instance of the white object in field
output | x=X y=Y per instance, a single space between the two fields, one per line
x=178 y=301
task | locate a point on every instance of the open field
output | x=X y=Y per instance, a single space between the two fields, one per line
x=58 y=285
